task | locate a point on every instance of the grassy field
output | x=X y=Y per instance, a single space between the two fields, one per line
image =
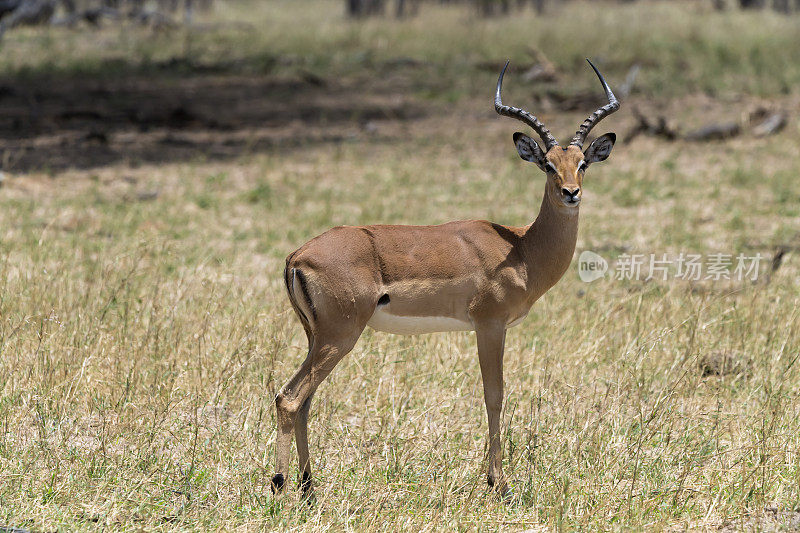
x=144 y=328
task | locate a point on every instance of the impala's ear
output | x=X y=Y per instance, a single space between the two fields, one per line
x=600 y=148
x=529 y=150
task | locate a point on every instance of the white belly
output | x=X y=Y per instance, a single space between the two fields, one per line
x=413 y=325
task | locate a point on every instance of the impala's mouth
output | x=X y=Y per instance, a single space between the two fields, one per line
x=571 y=202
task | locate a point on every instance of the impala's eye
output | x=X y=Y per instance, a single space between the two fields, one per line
x=551 y=168
x=582 y=166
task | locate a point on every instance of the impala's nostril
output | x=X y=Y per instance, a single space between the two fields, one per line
x=570 y=193
x=566 y=192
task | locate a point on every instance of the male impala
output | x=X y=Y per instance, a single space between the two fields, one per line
x=461 y=276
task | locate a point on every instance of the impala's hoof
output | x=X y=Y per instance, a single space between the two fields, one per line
x=305 y=483
x=503 y=491
x=277 y=483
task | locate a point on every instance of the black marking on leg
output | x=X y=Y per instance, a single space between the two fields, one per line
x=305 y=482
x=490 y=480
x=277 y=483
x=383 y=300
x=304 y=288
x=289 y=280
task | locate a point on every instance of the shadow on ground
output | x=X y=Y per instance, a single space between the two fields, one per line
x=54 y=122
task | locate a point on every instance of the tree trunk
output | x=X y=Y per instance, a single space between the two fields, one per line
x=364 y=8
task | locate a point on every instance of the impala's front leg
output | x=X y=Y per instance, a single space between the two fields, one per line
x=491 y=339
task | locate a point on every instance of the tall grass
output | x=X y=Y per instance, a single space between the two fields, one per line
x=143 y=336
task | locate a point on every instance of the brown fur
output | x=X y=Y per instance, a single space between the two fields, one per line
x=476 y=271
x=566 y=161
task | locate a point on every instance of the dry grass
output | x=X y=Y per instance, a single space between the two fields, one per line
x=144 y=332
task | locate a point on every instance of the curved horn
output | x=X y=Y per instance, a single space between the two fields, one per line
x=521 y=114
x=597 y=116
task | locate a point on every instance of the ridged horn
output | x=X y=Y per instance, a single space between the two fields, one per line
x=521 y=114
x=597 y=116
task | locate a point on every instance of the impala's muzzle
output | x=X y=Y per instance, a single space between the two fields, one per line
x=571 y=196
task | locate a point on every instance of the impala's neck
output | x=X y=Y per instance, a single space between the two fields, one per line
x=550 y=243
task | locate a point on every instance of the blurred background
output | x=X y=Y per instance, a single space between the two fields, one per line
x=159 y=160
x=87 y=84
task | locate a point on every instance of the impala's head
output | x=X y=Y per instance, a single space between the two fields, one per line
x=564 y=167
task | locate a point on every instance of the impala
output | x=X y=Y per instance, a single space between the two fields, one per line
x=469 y=275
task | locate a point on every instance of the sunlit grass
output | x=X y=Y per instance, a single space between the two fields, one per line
x=143 y=342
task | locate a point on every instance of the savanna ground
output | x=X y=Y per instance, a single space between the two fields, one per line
x=155 y=182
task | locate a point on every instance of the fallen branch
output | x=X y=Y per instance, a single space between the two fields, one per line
x=770 y=125
x=656 y=128
x=542 y=70
x=761 y=122
x=714 y=132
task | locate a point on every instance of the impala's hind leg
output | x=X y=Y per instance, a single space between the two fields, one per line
x=333 y=320
x=301 y=438
x=294 y=400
